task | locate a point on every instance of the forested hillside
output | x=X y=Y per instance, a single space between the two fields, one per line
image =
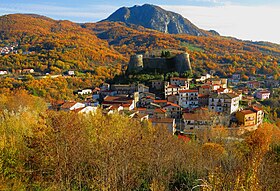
x=223 y=54
x=53 y=46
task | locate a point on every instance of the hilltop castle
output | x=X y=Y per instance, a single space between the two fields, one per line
x=179 y=63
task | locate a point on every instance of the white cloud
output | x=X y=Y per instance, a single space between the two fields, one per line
x=258 y=23
x=90 y=13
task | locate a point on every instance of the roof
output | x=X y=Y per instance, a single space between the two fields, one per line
x=117 y=99
x=256 y=108
x=126 y=105
x=173 y=86
x=171 y=104
x=149 y=97
x=160 y=101
x=224 y=96
x=203 y=96
x=79 y=109
x=205 y=86
x=159 y=110
x=247 y=112
x=196 y=116
x=162 y=120
x=68 y=105
x=57 y=102
x=184 y=138
x=187 y=91
x=139 y=116
x=264 y=92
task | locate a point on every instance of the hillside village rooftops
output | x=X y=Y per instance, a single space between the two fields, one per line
x=224 y=96
x=188 y=91
x=196 y=116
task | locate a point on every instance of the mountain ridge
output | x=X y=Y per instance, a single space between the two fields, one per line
x=157 y=18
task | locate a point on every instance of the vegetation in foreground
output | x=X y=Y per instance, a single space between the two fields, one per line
x=47 y=150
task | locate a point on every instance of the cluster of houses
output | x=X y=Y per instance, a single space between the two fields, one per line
x=173 y=104
x=8 y=50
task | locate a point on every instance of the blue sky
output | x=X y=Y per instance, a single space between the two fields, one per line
x=246 y=19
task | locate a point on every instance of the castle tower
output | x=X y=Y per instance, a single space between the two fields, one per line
x=135 y=63
x=183 y=63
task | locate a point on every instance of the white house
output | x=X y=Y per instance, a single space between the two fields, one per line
x=224 y=103
x=170 y=89
x=188 y=99
x=263 y=94
x=3 y=72
x=85 y=92
x=71 y=73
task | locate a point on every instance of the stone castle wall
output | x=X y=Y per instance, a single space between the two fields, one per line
x=180 y=63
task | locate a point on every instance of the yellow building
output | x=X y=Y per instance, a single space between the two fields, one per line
x=246 y=117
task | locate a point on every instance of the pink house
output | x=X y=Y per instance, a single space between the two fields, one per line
x=263 y=95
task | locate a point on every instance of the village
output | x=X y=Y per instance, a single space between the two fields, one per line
x=210 y=102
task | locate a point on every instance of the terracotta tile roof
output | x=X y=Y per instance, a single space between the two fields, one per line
x=126 y=105
x=247 y=111
x=196 y=116
x=188 y=91
x=159 y=110
x=149 y=97
x=57 y=102
x=171 y=104
x=139 y=115
x=160 y=101
x=184 y=138
x=256 y=108
x=115 y=106
x=173 y=86
x=203 y=96
x=264 y=92
x=205 y=86
x=163 y=120
x=79 y=109
x=68 y=105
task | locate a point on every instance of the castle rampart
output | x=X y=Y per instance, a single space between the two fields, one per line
x=179 y=63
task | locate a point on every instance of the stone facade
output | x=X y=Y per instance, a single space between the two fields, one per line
x=179 y=63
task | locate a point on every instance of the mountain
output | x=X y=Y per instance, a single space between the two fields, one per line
x=49 y=45
x=154 y=17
